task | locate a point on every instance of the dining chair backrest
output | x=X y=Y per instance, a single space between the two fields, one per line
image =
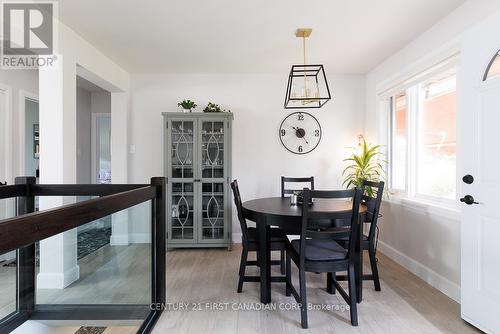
x=239 y=209
x=310 y=216
x=373 y=204
x=288 y=191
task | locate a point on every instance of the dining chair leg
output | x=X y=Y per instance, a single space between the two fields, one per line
x=243 y=264
x=330 y=279
x=303 y=298
x=288 y=269
x=282 y=263
x=352 y=295
x=373 y=263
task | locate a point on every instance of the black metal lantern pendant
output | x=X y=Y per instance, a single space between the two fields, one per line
x=307 y=85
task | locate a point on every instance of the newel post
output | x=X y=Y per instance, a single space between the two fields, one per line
x=26 y=255
x=159 y=240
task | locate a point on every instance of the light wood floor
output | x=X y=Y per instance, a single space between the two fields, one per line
x=406 y=304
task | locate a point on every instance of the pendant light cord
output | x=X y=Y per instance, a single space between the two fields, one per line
x=305 y=76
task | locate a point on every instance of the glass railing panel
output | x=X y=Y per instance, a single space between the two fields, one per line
x=105 y=262
x=8 y=268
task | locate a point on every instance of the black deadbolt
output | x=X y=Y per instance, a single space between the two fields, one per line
x=468 y=179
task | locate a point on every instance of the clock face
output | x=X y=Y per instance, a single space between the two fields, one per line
x=300 y=132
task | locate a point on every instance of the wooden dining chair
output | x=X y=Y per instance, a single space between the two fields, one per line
x=250 y=242
x=369 y=242
x=288 y=191
x=316 y=250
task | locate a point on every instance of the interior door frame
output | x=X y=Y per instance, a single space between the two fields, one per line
x=7 y=132
x=23 y=96
x=93 y=145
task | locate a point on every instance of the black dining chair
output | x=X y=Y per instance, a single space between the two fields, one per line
x=288 y=191
x=369 y=242
x=316 y=251
x=250 y=242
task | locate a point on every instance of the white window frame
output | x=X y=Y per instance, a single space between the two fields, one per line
x=411 y=87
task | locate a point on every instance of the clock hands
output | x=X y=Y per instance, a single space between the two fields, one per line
x=300 y=133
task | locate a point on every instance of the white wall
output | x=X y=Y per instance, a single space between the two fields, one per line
x=422 y=238
x=257 y=103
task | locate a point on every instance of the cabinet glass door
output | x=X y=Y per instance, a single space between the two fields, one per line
x=183 y=188
x=213 y=183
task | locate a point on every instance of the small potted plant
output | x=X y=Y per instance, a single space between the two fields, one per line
x=212 y=107
x=187 y=105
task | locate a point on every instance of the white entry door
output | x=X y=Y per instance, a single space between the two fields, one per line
x=479 y=138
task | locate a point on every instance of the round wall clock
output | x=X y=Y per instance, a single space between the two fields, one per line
x=300 y=132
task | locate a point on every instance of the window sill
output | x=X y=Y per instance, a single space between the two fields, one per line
x=422 y=206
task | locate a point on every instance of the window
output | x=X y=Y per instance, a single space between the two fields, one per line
x=494 y=68
x=423 y=139
x=399 y=142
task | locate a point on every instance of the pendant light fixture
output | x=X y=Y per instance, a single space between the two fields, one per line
x=307 y=85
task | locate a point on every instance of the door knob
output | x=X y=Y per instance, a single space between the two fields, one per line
x=468 y=199
x=468 y=179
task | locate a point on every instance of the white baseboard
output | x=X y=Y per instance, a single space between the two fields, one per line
x=132 y=238
x=119 y=240
x=58 y=280
x=237 y=238
x=434 y=279
x=140 y=238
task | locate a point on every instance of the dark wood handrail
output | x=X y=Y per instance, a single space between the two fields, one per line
x=13 y=191
x=81 y=189
x=24 y=230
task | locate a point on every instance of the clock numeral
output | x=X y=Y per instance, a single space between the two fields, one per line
x=316 y=133
x=283 y=132
x=300 y=117
x=300 y=149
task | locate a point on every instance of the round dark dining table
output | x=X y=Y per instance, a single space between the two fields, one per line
x=277 y=211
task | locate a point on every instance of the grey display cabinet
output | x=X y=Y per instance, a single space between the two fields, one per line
x=197 y=164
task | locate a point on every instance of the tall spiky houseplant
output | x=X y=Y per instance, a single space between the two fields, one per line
x=364 y=163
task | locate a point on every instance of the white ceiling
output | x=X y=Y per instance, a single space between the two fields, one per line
x=235 y=36
x=87 y=85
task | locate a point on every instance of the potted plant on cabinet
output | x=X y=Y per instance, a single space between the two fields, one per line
x=187 y=105
x=212 y=107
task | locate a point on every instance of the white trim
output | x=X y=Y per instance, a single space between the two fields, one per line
x=58 y=280
x=7 y=130
x=23 y=96
x=93 y=144
x=140 y=238
x=237 y=238
x=119 y=240
x=434 y=279
x=447 y=56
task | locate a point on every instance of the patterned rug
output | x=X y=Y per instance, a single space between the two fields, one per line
x=90 y=330
x=88 y=242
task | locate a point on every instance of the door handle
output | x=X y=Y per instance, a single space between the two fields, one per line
x=468 y=199
x=3 y=183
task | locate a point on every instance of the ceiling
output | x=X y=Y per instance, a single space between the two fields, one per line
x=87 y=85
x=253 y=36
